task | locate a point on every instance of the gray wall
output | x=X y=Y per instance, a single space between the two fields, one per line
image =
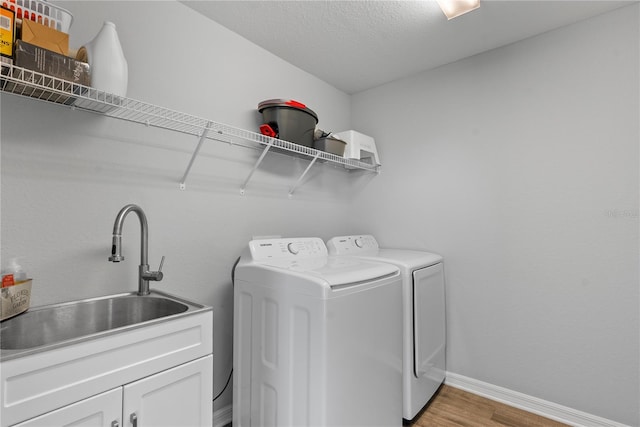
x=65 y=174
x=520 y=166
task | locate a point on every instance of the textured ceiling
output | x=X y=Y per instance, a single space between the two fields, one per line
x=359 y=44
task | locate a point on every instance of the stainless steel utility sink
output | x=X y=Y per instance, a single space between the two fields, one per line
x=42 y=327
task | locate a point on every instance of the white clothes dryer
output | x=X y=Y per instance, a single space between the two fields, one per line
x=424 y=325
x=316 y=339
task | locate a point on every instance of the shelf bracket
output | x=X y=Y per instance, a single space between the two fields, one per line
x=203 y=136
x=264 y=153
x=303 y=175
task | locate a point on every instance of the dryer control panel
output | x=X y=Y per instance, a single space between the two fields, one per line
x=352 y=245
x=283 y=248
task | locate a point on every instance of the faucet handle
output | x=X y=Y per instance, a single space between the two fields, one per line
x=156 y=276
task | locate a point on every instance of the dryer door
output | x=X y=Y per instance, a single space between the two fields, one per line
x=429 y=322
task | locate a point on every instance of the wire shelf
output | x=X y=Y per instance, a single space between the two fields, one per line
x=28 y=83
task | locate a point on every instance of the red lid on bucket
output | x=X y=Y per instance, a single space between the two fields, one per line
x=287 y=103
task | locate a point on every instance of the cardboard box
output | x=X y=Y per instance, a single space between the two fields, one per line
x=45 y=37
x=15 y=299
x=7 y=32
x=53 y=64
x=40 y=60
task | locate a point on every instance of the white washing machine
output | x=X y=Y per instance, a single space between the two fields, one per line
x=316 y=339
x=423 y=302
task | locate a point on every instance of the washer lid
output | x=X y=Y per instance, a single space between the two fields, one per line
x=333 y=270
x=404 y=258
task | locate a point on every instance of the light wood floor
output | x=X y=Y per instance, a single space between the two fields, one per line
x=454 y=407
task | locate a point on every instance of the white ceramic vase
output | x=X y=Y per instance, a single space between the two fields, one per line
x=109 y=69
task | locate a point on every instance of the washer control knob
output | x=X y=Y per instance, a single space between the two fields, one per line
x=359 y=242
x=292 y=248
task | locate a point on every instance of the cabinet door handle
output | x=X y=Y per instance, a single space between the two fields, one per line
x=134 y=419
x=115 y=423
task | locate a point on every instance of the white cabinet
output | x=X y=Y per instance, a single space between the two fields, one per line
x=181 y=396
x=103 y=410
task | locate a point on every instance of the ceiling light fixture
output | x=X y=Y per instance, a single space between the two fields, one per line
x=455 y=8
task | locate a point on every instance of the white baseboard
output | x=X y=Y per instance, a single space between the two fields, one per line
x=531 y=404
x=223 y=416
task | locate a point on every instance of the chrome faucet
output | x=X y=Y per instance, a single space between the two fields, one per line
x=144 y=275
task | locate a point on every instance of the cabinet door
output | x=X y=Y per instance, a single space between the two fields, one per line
x=102 y=410
x=181 y=396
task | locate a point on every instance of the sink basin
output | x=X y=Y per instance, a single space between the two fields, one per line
x=49 y=325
